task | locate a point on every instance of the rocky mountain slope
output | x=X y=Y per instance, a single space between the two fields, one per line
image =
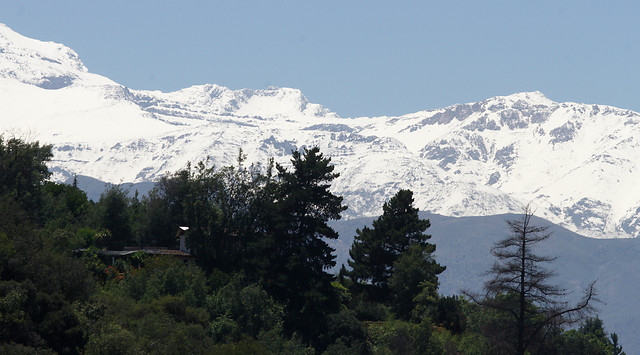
x=576 y=163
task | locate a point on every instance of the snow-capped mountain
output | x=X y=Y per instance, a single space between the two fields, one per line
x=576 y=163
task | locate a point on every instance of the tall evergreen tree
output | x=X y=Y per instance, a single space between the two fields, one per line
x=300 y=207
x=375 y=250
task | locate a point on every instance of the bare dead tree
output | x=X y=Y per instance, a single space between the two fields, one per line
x=520 y=286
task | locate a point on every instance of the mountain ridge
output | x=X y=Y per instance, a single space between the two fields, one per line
x=576 y=163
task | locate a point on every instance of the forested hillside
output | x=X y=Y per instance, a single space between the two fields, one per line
x=259 y=280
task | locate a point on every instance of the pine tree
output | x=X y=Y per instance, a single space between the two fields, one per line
x=376 y=250
x=298 y=211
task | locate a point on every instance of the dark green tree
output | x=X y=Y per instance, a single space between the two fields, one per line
x=23 y=171
x=448 y=312
x=64 y=206
x=589 y=338
x=304 y=205
x=295 y=224
x=220 y=207
x=38 y=282
x=238 y=309
x=346 y=334
x=164 y=208
x=376 y=250
x=239 y=201
x=414 y=282
x=115 y=216
x=617 y=348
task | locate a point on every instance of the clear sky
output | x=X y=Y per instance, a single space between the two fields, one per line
x=356 y=58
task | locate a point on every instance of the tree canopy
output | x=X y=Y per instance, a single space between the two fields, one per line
x=376 y=251
x=299 y=206
x=261 y=280
x=24 y=170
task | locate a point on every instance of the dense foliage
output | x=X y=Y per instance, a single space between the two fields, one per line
x=260 y=283
x=391 y=262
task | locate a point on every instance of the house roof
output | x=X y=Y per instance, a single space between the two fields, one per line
x=153 y=251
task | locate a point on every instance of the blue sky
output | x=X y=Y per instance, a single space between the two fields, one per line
x=355 y=57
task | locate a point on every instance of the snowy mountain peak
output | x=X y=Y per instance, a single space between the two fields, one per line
x=45 y=64
x=531 y=97
x=203 y=101
x=577 y=163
